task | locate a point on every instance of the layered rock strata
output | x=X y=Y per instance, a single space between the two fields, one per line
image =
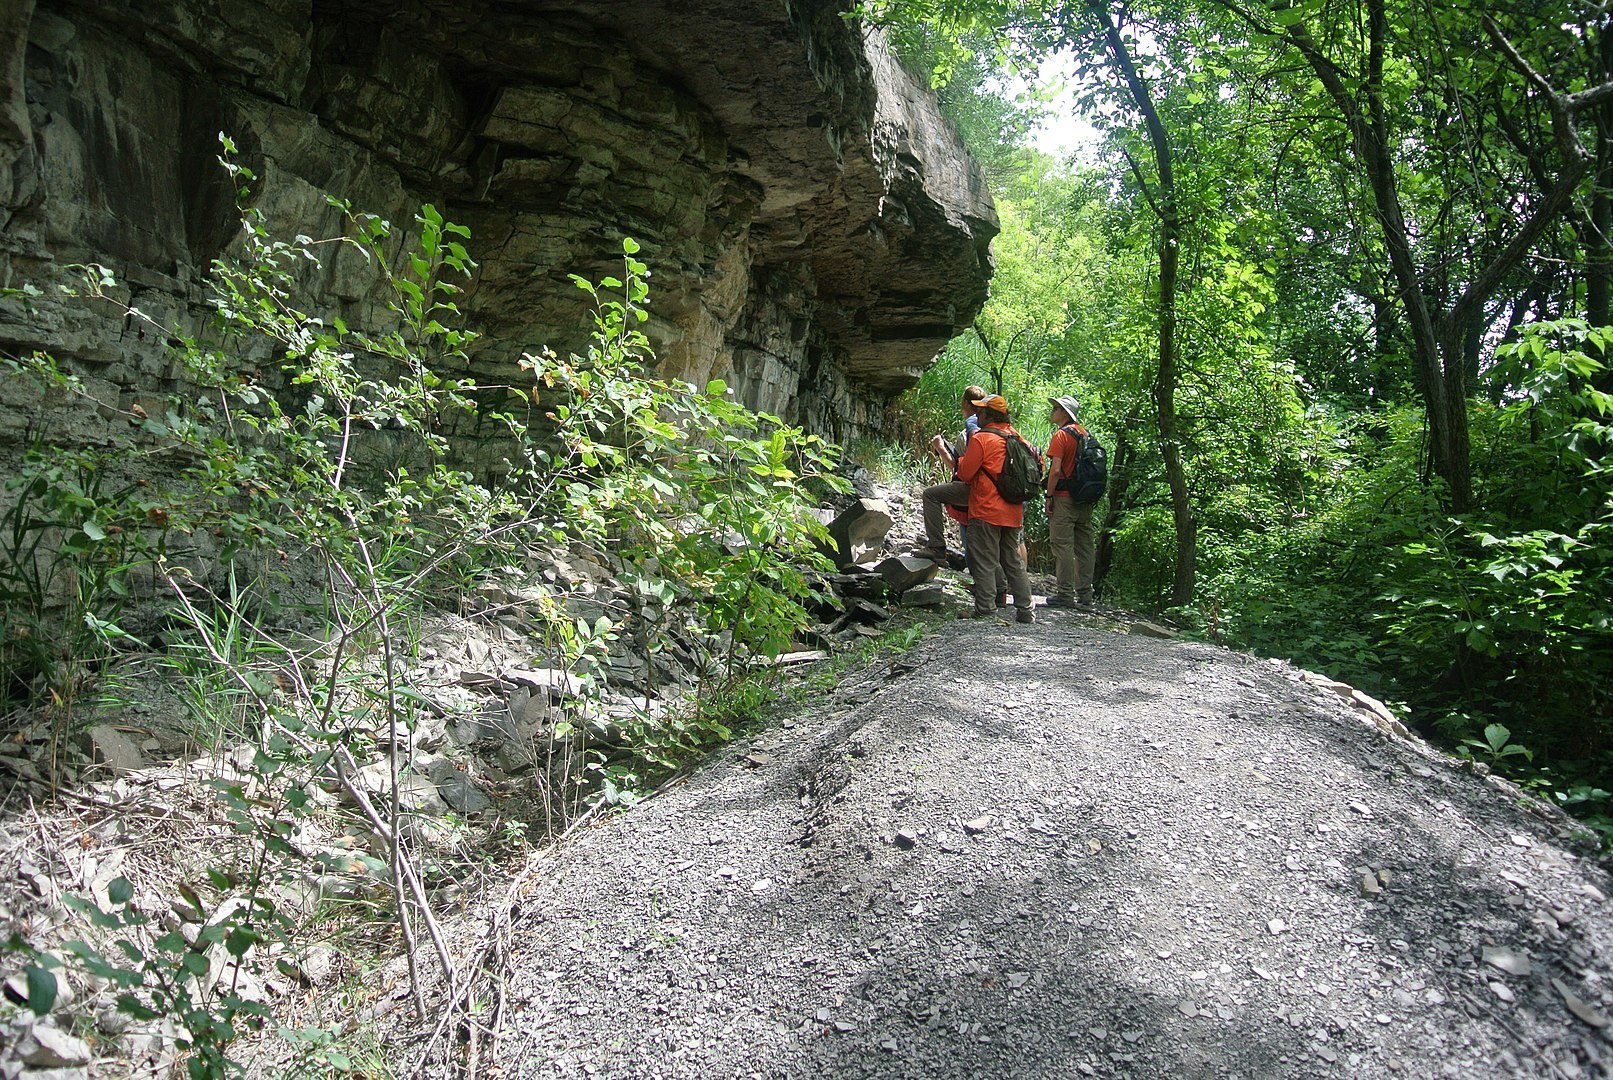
x=816 y=232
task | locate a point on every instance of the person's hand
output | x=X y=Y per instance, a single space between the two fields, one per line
x=939 y=444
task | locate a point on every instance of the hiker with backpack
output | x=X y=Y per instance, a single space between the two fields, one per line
x=1077 y=474
x=950 y=498
x=1002 y=471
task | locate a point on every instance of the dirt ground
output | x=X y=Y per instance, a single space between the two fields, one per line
x=1067 y=850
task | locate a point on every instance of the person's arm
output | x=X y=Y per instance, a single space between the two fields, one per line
x=955 y=450
x=1055 y=465
x=973 y=457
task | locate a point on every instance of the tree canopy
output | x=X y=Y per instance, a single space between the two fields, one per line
x=1335 y=287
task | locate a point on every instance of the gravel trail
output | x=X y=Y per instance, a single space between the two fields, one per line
x=1060 y=850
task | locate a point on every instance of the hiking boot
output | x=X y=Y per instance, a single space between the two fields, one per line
x=1060 y=602
x=1085 y=602
x=1026 y=615
x=934 y=554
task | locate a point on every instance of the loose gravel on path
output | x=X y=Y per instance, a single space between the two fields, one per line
x=1056 y=851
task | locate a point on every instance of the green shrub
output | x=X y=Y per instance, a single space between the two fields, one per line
x=328 y=469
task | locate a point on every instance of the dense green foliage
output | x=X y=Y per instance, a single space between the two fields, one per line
x=1388 y=382
x=341 y=449
x=275 y=532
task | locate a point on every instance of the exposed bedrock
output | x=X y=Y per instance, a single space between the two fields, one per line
x=815 y=229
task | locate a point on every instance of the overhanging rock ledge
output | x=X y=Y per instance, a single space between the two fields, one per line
x=816 y=231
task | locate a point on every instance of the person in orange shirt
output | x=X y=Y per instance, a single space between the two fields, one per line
x=1069 y=524
x=994 y=523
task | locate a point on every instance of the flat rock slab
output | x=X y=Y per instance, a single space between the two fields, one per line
x=999 y=862
x=43 y=1046
x=903 y=572
x=114 y=749
x=860 y=581
x=928 y=594
x=456 y=788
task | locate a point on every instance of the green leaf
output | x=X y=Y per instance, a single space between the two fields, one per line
x=93 y=531
x=240 y=940
x=191 y=897
x=132 y=1006
x=41 y=990
x=630 y=246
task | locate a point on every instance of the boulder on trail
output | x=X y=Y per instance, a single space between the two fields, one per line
x=858 y=532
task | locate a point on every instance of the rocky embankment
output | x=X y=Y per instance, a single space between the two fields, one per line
x=508 y=736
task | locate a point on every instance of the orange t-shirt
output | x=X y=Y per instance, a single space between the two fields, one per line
x=1063 y=449
x=982 y=461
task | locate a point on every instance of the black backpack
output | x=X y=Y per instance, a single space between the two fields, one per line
x=1091 y=477
x=1022 y=475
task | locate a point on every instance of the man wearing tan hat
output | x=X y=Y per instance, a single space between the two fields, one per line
x=1069 y=523
x=994 y=522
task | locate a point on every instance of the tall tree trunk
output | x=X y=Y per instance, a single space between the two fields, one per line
x=1386 y=343
x=1369 y=131
x=1436 y=335
x=1163 y=202
x=1599 y=257
x=1119 y=503
x=1165 y=404
x=1472 y=341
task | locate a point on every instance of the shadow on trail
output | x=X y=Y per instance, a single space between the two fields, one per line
x=1007 y=953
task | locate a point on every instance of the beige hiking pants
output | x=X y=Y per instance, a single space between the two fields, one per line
x=994 y=561
x=1069 y=533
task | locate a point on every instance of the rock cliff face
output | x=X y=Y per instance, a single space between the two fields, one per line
x=815 y=230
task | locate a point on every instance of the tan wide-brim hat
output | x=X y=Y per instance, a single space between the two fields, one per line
x=1066 y=403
